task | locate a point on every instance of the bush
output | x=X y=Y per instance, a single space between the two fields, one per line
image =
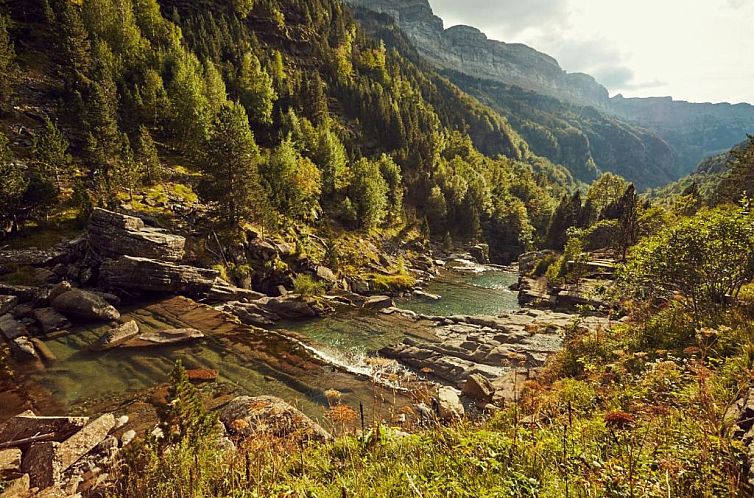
x=306 y=286
x=602 y=235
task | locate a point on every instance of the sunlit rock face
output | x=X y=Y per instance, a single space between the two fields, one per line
x=467 y=50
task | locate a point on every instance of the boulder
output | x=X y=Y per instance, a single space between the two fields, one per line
x=448 y=405
x=10 y=462
x=7 y=303
x=291 y=308
x=84 y=305
x=480 y=253
x=23 y=349
x=11 y=328
x=113 y=234
x=50 y=320
x=478 y=388
x=46 y=462
x=246 y=417
x=149 y=275
x=26 y=425
x=116 y=336
x=261 y=250
x=379 y=302
x=360 y=287
x=44 y=352
x=326 y=274
x=59 y=289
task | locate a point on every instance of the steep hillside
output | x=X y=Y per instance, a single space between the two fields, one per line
x=656 y=140
x=277 y=114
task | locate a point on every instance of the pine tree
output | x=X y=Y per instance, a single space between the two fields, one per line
x=184 y=417
x=368 y=191
x=14 y=187
x=391 y=172
x=74 y=49
x=147 y=158
x=256 y=90
x=231 y=166
x=8 y=68
x=50 y=152
x=331 y=158
x=104 y=136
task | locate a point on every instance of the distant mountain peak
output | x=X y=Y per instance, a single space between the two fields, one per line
x=469 y=51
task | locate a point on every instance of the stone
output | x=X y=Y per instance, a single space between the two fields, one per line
x=121 y=421
x=201 y=375
x=59 y=289
x=12 y=328
x=150 y=275
x=42 y=463
x=84 y=441
x=261 y=250
x=84 y=305
x=16 y=488
x=326 y=274
x=448 y=404
x=112 y=235
x=116 y=336
x=291 y=308
x=379 y=302
x=478 y=388
x=247 y=417
x=7 y=303
x=26 y=425
x=481 y=253
x=23 y=349
x=360 y=287
x=127 y=438
x=165 y=338
x=10 y=461
x=50 y=320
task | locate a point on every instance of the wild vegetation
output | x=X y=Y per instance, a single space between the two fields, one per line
x=286 y=116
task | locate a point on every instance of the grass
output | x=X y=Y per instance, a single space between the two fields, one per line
x=629 y=412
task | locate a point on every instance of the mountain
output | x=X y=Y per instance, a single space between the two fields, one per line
x=467 y=50
x=570 y=118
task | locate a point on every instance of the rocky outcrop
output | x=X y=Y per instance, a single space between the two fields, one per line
x=468 y=51
x=113 y=234
x=84 y=305
x=247 y=417
x=448 y=405
x=149 y=275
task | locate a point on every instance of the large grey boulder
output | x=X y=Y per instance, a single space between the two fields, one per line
x=77 y=303
x=247 y=417
x=143 y=274
x=114 y=234
x=448 y=405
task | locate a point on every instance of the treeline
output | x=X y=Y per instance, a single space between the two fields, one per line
x=288 y=109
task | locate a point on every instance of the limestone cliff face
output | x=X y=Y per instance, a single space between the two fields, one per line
x=467 y=50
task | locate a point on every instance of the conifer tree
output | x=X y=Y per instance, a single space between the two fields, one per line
x=50 y=152
x=8 y=68
x=368 y=191
x=231 y=166
x=74 y=49
x=146 y=157
x=256 y=89
x=104 y=136
x=330 y=156
x=14 y=187
x=184 y=417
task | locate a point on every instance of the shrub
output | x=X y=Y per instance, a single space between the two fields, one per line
x=305 y=286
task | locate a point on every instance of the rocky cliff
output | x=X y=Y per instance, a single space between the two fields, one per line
x=467 y=50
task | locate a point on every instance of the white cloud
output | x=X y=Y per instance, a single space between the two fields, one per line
x=696 y=50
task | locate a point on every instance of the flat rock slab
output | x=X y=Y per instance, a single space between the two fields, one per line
x=27 y=425
x=45 y=462
x=151 y=275
x=113 y=234
x=11 y=328
x=84 y=305
x=50 y=320
x=16 y=488
x=164 y=338
x=116 y=336
x=379 y=302
x=200 y=375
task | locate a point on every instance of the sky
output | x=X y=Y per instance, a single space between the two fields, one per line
x=695 y=50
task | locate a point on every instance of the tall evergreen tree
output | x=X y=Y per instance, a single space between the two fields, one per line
x=231 y=166
x=8 y=68
x=50 y=152
x=14 y=187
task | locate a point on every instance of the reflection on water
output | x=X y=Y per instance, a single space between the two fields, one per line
x=255 y=361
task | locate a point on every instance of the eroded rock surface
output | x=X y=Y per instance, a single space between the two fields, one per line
x=247 y=416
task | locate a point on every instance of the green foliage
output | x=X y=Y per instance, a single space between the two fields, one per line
x=256 y=89
x=292 y=182
x=146 y=157
x=305 y=286
x=14 y=186
x=50 y=152
x=739 y=181
x=231 y=166
x=368 y=192
x=8 y=67
x=704 y=260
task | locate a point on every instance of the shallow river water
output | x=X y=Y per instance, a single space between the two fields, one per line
x=298 y=366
